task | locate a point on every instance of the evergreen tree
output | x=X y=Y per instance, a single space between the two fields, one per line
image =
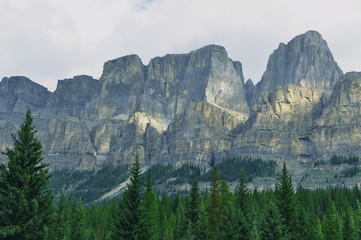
x=63 y=218
x=78 y=226
x=215 y=204
x=313 y=228
x=151 y=219
x=194 y=207
x=202 y=229
x=286 y=203
x=349 y=229
x=272 y=225
x=242 y=194
x=225 y=194
x=332 y=224
x=358 y=218
x=26 y=203
x=129 y=221
x=233 y=224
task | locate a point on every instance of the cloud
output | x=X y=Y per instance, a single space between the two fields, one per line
x=51 y=40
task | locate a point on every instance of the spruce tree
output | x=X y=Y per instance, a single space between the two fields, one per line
x=215 y=204
x=194 y=207
x=286 y=203
x=357 y=217
x=26 y=203
x=63 y=218
x=233 y=225
x=151 y=219
x=349 y=229
x=272 y=225
x=332 y=229
x=242 y=195
x=129 y=222
x=78 y=228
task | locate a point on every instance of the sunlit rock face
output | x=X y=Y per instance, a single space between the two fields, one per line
x=194 y=107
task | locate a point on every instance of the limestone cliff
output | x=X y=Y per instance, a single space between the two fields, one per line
x=195 y=107
x=305 y=61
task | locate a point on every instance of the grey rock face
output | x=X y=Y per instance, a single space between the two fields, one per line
x=18 y=93
x=305 y=61
x=194 y=107
x=72 y=95
x=122 y=84
x=206 y=74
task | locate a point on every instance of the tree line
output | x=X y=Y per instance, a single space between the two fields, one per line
x=28 y=209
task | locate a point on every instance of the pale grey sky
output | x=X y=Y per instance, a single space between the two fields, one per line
x=51 y=40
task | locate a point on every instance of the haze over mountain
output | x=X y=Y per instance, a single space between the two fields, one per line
x=195 y=107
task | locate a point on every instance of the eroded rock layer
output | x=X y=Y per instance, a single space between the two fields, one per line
x=195 y=107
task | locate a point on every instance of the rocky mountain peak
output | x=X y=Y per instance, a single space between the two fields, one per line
x=304 y=61
x=18 y=93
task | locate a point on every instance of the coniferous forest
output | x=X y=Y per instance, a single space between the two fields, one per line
x=28 y=209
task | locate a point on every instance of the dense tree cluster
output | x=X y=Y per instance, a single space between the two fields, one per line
x=279 y=214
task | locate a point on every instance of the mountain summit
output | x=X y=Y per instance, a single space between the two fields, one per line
x=194 y=107
x=304 y=61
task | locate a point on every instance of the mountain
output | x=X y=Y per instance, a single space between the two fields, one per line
x=195 y=108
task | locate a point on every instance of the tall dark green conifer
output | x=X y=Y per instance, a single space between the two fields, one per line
x=63 y=218
x=129 y=221
x=272 y=225
x=26 y=202
x=332 y=228
x=194 y=207
x=78 y=227
x=242 y=195
x=286 y=203
x=150 y=203
x=233 y=225
x=215 y=204
x=349 y=229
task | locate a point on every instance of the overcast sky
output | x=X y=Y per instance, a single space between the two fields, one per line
x=48 y=40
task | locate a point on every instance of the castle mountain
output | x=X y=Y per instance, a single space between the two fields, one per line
x=194 y=107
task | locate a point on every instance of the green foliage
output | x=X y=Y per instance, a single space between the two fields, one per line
x=214 y=204
x=129 y=222
x=78 y=226
x=234 y=225
x=89 y=185
x=229 y=169
x=272 y=225
x=286 y=203
x=332 y=229
x=186 y=173
x=151 y=219
x=337 y=160
x=242 y=195
x=193 y=209
x=349 y=229
x=26 y=202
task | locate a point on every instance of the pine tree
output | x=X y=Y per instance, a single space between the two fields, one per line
x=349 y=229
x=242 y=194
x=78 y=228
x=332 y=224
x=26 y=203
x=357 y=217
x=272 y=225
x=151 y=219
x=202 y=229
x=215 y=204
x=194 y=207
x=233 y=225
x=63 y=218
x=286 y=203
x=129 y=221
